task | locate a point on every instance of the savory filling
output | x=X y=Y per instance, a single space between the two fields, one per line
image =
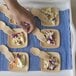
x=51 y=14
x=52 y=64
x=50 y=37
x=18 y=38
x=19 y=61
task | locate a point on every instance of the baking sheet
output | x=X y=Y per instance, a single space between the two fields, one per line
x=64 y=50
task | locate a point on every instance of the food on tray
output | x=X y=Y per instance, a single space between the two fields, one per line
x=41 y=54
x=20 y=62
x=6 y=29
x=52 y=38
x=18 y=39
x=48 y=16
x=6 y=52
x=40 y=36
x=4 y=9
x=53 y=64
x=50 y=61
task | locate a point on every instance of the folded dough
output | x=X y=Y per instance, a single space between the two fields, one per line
x=54 y=63
x=18 y=39
x=48 y=16
x=4 y=9
x=53 y=38
x=20 y=63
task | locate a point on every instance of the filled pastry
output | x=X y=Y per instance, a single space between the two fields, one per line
x=52 y=38
x=53 y=64
x=48 y=16
x=20 y=62
x=4 y=9
x=18 y=39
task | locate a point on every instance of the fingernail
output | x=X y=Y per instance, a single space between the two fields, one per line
x=26 y=26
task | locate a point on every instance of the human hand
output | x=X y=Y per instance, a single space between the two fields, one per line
x=22 y=17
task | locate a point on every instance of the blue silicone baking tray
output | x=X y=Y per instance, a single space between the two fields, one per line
x=65 y=43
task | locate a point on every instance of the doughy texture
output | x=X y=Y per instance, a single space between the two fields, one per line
x=48 y=16
x=4 y=9
x=53 y=38
x=54 y=63
x=6 y=29
x=20 y=63
x=18 y=39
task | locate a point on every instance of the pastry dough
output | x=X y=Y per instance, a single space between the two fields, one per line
x=40 y=36
x=7 y=12
x=6 y=52
x=19 y=39
x=48 y=16
x=53 y=38
x=6 y=29
x=54 y=63
x=20 y=63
